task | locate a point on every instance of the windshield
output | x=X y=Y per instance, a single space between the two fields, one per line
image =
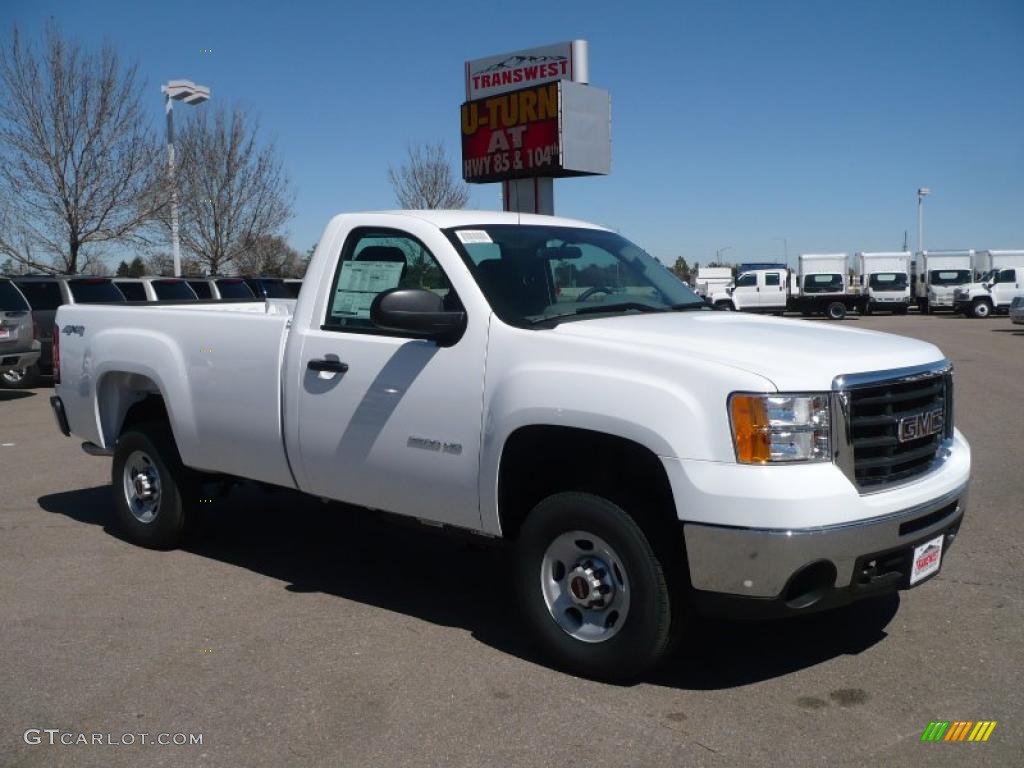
x=534 y=274
x=94 y=290
x=234 y=288
x=825 y=283
x=171 y=290
x=949 y=276
x=11 y=299
x=888 y=281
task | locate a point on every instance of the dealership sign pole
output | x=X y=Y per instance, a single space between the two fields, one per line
x=530 y=117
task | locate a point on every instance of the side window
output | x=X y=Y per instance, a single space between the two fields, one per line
x=772 y=278
x=374 y=261
x=1006 y=276
x=746 y=279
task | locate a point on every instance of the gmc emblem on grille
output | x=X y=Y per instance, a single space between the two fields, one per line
x=921 y=425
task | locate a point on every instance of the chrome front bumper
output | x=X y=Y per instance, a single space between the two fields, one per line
x=760 y=562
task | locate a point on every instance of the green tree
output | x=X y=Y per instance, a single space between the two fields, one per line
x=681 y=269
x=122 y=269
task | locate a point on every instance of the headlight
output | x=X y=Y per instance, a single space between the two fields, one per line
x=780 y=428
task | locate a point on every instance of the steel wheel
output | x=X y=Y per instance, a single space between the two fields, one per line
x=585 y=586
x=982 y=308
x=141 y=481
x=14 y=377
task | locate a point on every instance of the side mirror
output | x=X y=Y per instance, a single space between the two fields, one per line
x=417 y=312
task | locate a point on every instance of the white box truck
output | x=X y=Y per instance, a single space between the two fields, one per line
x=884 y=279
x=1001 y=280
x=712 y=279
x=937 y=274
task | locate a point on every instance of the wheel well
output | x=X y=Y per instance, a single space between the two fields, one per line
x=541 y=460
x=150 y=408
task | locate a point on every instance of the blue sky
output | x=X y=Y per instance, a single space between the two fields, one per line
x=733 y=123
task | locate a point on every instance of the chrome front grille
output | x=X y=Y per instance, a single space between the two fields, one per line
x=871 y=407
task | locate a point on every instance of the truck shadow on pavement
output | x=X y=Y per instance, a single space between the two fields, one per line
x=458 y=581
x=15 y=394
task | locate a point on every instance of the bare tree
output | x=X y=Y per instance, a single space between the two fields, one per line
x=162 y=263
x=426 y=180
x=79 y=165
x=269 y=255
x=231 y=190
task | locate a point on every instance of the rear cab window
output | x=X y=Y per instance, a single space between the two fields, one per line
x=11 y=299
x=95 y=290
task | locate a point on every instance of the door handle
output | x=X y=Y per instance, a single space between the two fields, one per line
x=327 y=366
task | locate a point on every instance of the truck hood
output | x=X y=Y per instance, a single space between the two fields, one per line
x=793 y=354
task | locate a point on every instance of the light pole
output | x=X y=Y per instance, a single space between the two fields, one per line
x=190 y=93
x=922 y=193
x=720 y=251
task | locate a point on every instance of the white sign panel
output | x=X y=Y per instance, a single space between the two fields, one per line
x=533 y=66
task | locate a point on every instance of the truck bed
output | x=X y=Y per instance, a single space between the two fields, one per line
x=220 y=425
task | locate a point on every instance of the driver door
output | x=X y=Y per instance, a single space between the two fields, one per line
x=745 y=294
x=387 y=421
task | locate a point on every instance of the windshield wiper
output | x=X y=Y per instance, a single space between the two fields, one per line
x=623 y=306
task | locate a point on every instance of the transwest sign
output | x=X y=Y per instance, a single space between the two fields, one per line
x=533 y=66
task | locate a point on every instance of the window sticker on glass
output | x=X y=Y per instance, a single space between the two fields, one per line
x=473 y=236
x=360 y=282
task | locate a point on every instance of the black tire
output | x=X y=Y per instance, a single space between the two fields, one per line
x=981 y=308
x=868 y=309
x=22 y=378
x=646 y=631
x=726 y=306
x=177 y=493
x=836 y=310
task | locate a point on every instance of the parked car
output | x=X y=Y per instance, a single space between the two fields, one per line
x=19 y=349
x=269 y=287
x=44 y=294
x=644 y=455
x=225 y=288
x=155 y=289
x=1017 y=310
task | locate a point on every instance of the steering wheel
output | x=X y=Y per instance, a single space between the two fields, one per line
x=591 y=291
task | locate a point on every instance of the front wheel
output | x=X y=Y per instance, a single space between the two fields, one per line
x=153 y=491
x=591 y=587
x=981 y=308
x=836 y=310
x=726 y=306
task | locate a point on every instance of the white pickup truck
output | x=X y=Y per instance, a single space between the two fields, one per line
x=546 y=382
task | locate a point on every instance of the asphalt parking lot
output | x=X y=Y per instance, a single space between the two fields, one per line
x=297 y=633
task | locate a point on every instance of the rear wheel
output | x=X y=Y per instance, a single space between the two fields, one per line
x=592 y=588
x=153 y=491
x=20 y=378
x=868 y=309
x=725 y=305
x=836 y=310
x=981 y=308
